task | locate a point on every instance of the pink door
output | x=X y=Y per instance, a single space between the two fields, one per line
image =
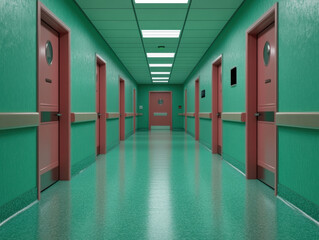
x=134 y=108
x=122 y=110
x=185 y=110
x=197 y=110
x=160 y=109
x=266 y=106
x=220 y=110
x=48 y=97
x=98 y=110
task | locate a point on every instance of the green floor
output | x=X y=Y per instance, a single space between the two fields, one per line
x=160 y=185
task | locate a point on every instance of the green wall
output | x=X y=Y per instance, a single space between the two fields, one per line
x=297 y=92
x=143 y=98
x=18 y=94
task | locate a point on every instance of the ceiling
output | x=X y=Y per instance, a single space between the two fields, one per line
x=120 y=23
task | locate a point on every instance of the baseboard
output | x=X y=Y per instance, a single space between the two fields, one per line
x=193 y=135
x=300 y=202
x=233 y=161
x=129 y=134
x=78 y=167
x=142 y=129
x=178 y=129
x=206 y=145
x=15 y=205
x=111 y=147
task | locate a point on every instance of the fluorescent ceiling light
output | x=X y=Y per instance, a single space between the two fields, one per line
x=161 y=33
x=160 y=55
x=161 y=65
x=154 y=73
x=161 y=1
x=160 y=81
x=160 y=78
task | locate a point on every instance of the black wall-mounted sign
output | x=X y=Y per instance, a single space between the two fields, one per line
x=233 y=76
x=203 y=94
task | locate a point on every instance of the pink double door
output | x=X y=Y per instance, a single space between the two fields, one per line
x=49 y=106
x=266 y=106
x=160 y=109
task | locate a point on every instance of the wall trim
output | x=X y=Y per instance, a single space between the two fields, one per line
x=14 y=120
x=190 y=114
x=298 y=119
x=234 y=116
x=205 y=115
x=112 y=115
x=77 y=117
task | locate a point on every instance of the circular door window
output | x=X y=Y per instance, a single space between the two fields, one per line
x=266 y=53
x=49 y=52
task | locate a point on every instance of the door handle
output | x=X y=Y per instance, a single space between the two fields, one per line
x=59 y=114
x=218 y=115
x=99 y=114
x=257 y=114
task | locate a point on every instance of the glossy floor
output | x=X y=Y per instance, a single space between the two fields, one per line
x=160 y=185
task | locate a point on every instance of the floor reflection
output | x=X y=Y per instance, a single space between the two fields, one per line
x=159 y=185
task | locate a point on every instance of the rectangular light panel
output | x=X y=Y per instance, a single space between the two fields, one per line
x=161 y=33
x=161 y=65
x=160 y=78
x=160 y=81
x=161 y=1
x=160 y=73
x=160 y=55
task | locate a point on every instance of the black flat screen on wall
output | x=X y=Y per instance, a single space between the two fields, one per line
x=233 y=76
x=203 y=93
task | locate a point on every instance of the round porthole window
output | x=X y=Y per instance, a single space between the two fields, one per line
x=266 y=53
x=49 y=52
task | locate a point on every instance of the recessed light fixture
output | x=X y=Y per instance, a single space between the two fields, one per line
x=161 y=33
x=161 y=1
x=160 y=78
x=160 y=55
x=161 y=65
x=160 y=73
x=160 y=81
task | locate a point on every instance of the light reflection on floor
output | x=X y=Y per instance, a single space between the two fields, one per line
x=160 y=185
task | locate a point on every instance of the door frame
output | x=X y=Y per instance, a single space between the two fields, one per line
x=271 y=16
x=64 y=91
x=185 y=110
x=102 y=81
x=215 y=65
x=122 y=128
x=134 y=110
x=197 y=110
x=149 y=107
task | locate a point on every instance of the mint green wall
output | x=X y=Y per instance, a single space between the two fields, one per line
x=297 y=91
x=85 y=43
x=143 y=99
x=18 y=86
x=17 y=94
